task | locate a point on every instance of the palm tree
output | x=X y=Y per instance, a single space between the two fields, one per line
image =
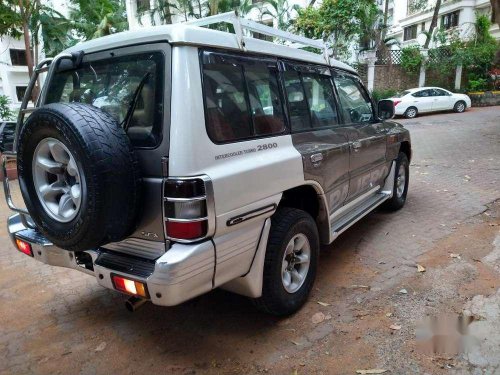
x=279 y=10
x=95 y=18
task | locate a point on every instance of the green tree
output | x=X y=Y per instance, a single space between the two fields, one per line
x=95 y=18
x=281 y=11
x=339 y=22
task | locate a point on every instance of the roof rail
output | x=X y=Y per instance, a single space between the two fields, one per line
x=241 y=24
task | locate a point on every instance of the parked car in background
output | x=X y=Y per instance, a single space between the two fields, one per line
x=410 y=103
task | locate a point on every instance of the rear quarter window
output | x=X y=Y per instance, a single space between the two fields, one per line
x=241 y=97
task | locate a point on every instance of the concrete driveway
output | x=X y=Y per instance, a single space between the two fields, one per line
x=373 y=299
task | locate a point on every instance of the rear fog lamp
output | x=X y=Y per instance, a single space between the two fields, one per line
x=24 y=247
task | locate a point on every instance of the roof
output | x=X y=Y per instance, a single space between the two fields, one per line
x=180 y=34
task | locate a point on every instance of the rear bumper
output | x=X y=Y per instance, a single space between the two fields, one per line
x=181 y=273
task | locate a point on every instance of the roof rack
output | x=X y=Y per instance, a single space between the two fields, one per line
x=241 y=24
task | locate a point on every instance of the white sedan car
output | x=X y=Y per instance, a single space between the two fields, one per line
x=410 y=103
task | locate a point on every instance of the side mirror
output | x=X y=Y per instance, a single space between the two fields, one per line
x=385 y=109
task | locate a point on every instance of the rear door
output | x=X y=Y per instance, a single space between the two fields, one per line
x=317 y=132
x=367 y=135
x=423 y=100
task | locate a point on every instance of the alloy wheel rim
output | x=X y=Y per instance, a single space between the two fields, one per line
x=411 y=113
x=460 y=107
x=401 y=181
x=295 y=264
x=57 y=180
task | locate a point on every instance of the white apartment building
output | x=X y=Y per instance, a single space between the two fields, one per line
x=407 y=23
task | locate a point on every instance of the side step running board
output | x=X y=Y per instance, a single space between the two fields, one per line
x=358 y=213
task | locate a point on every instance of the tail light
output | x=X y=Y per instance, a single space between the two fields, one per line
x=396 y=102
x=186 y=209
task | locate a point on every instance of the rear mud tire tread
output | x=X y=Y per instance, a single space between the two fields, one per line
x=284 y=224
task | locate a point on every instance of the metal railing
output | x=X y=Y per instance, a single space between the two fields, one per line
x=241 y=24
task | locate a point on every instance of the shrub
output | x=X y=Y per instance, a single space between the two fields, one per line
x=479 y=84
x=383 y=94
x=6 y=113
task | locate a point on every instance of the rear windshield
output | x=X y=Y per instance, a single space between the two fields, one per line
x=126 y=87
x=401 y=94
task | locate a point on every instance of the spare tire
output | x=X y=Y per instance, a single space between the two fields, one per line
x=78 y=175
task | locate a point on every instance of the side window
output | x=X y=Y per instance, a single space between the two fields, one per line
x=241 y=98
x=319 y=92
x=356 y=106
x=297 y=102
x=438 y=92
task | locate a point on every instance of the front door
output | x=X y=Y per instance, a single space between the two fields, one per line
x=316 y=129
x=423 y=100
x=441 y=100
x=367 y=136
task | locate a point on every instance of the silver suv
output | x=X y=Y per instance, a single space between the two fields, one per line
x=178 y=159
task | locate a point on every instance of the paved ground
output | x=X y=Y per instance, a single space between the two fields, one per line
x=56 y=321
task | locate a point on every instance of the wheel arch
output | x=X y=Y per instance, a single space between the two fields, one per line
x=310 y=198
x=406 y=148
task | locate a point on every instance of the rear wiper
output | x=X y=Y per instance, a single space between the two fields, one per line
x=126 y=121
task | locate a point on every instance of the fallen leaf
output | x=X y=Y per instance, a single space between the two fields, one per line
x=403 y=291
x=388 y=314
x=296 y=343
x=467 y=177
x=318 y=317
x=360 y=286
x=323 y=303
x=101 y=347
x=371 y=371
x=395 y=327
x=328 y=317
x=493 y=224
x=457 y=256
x=420 y=268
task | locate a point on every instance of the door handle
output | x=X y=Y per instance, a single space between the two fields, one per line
x=317 y=158
x=356 y=145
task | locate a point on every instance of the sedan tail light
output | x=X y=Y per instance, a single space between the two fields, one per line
x=396 y=102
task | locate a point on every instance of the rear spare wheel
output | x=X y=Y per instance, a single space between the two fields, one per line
x=78 y=175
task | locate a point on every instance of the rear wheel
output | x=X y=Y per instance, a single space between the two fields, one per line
x=401 y=180
x=411 y=112
x=291 y=262
x=459 y=106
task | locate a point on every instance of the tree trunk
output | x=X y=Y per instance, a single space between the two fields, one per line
x=433 y=25
x=495 y=11
x=311 y=3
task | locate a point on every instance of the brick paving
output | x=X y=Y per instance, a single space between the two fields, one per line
x=54 y=320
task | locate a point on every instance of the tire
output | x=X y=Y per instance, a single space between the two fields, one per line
x=459 y=106
x=398 y=199
x=100 y=182
x=287 y=225
x=411 y=112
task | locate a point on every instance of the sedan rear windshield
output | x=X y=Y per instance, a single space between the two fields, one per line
x=401 y=94
x=126 y=87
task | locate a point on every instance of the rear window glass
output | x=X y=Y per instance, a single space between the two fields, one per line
x=114 y=85
x=241 y=97
x=401 y=94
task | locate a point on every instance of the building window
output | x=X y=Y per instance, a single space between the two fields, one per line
x=410 y=32
x=450 y=20
x=20 y=91
x=423 y=26
x=18 y=57
x=143 y=5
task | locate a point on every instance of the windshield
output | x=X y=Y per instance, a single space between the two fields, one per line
x=401 y=94
x=127 y=87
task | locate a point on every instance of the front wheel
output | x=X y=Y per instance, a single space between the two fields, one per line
x=401 y=180
x=291 y=262
x=459 y=107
